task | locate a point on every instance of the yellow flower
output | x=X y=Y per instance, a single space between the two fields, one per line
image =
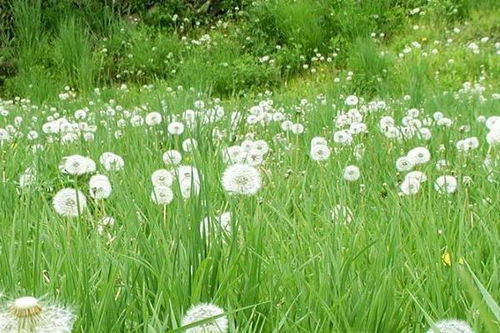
x=446 y=258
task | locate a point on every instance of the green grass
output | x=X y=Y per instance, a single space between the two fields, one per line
x=286 y=266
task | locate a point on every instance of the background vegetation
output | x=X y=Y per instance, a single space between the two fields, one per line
x=227 y=47
x=403 y=262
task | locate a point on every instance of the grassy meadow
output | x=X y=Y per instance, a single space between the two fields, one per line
x=305 y=166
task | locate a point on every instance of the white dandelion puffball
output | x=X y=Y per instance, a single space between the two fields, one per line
x=419 y=155
x=189 y=145
x=492 y=122
x=287 y=125
x=27 y=314
x=27 y=178
x=418 y=175
x=162 y=195
x=297 y=128
x=233 y=154
x=493 y=137
x=451 y=326
x=105 y=223
x=352 y=173
x=246 y=145
x=153 y=118
x=205 y=311
x=320 y=152
x=172 y=157
x=111 y=161
x=241 y=179
x=260 y=145
x=404 y=164
x=99 y=187
x=189 y=187
x=351 y=100
x=175 y=128
x=343 y=137
x=410 y=186
x=446 y=184
x=187 y=172
x=254 y=157
x=341 y=214
x=467 y=144
x=318 y=140
x=69 y=202
x=162 y=177
x=222 y=223
x=77 y=165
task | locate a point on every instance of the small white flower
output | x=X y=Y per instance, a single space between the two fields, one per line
x=318 y=140
x=343 y=137
x=77 y=165
x=254 y=157
x=172 y=157
x=410 y=186
x=220 y=223
x=261 y=146
x=446 y=184
x=28 y=314
x=189 y=145
x=162 y=195
x=404 y=164
x=202 y=312
x=418 y=175
x=175 y=128
x=241 y=179
x=111 y=161
x=297 y=128
x=153 y=118
x=320 y=152
x=351 y=100
x=352 y=173
x=27 y=178
x=187 y=172
x=100 y=187
x=189 y=187
x=419 y=155
x=451 y=326
x=69 y=202
x=162 y=177
x=287 y=125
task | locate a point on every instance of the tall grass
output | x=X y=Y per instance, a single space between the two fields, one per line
x=28 y=27
x=370 y=65
x=74 y=55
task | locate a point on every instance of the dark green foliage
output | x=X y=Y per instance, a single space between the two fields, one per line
x=84 y=43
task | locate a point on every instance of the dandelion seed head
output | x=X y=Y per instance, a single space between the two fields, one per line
x=446 y=184
x=403 y=163
x=162 y=177
x=451 y=326
x=352 y=173
x=202 y=312
x=27 y=315
x=69 y=202
x=419 y=155
x=162 y=195
x=241 y=179
x=172 y=157
x=320 y=152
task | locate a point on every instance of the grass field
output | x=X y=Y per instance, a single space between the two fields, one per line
x=355 y=191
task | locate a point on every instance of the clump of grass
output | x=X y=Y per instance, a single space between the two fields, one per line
x=74 y=55
x=370 y=65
